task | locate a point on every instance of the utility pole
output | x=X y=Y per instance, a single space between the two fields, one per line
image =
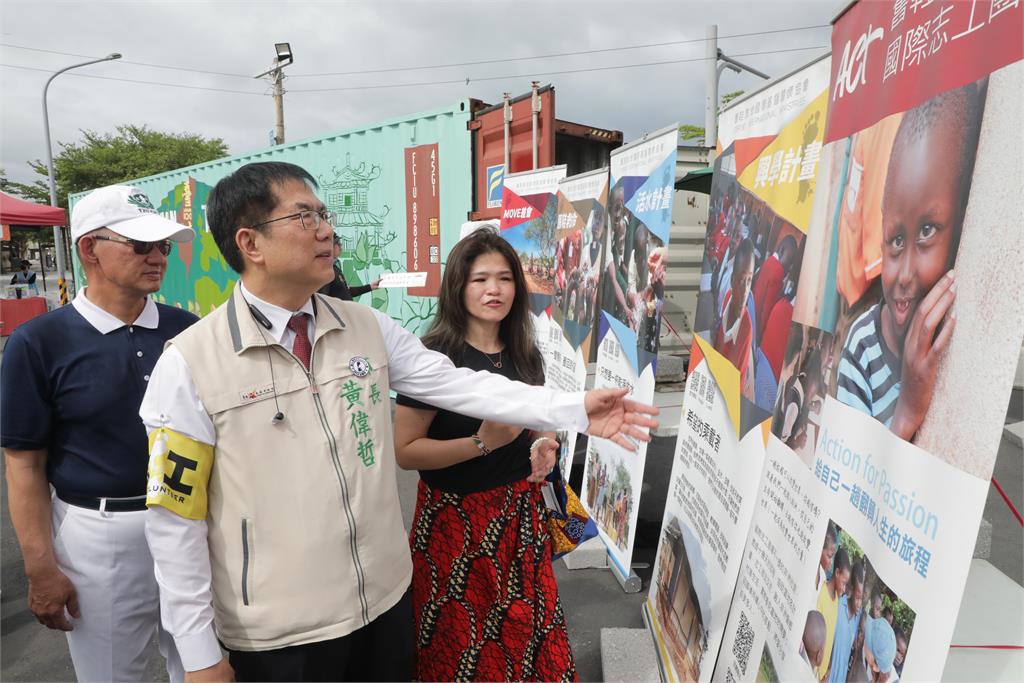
x=279 y=107
x=284 y=58
x=507 y=115
x=713 y=73
x=711 y=96
x=535 y=111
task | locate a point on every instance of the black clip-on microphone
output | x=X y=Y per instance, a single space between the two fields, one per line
x=262 y=320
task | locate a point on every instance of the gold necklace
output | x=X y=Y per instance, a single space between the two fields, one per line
x=488 y=357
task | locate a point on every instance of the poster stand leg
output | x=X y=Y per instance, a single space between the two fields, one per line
x=631 y=583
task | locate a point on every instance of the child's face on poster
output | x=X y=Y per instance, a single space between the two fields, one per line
x=901 y=650
x=921 y=218
x=841 y=577
x=828 y=551
x=857 y=597
x=742 y=277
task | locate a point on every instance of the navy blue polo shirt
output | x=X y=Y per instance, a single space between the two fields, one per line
x=68 y=388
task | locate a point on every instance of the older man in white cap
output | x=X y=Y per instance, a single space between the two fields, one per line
x=76 y=452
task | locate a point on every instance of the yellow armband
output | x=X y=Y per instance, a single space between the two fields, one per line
x=179 y=473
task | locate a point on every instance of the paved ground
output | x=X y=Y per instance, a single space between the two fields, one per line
x=592 y=598
x=1007 y=547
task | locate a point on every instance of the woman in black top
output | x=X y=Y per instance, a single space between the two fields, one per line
x=485 y=600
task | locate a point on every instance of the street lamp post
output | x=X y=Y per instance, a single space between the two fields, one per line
x=713 y=56
x=58 y=240
x=284 y=58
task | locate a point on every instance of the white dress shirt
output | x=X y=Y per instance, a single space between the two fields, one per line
x=179 y=545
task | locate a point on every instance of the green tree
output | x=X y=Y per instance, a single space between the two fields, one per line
x=108 y=158
x=689 y=131
x=542 y=231
x=729 y=97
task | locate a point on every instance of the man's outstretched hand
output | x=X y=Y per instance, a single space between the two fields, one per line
x=613 y=416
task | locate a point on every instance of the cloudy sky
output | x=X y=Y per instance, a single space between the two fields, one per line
x=189 y=66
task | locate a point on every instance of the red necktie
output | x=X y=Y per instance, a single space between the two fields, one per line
x=297 y=324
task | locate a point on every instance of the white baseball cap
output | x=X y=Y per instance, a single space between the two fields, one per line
x=128 y=212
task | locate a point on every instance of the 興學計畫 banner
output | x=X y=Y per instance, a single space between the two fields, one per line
x=761 y=196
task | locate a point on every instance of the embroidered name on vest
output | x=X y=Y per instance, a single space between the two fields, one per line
x=256 y=393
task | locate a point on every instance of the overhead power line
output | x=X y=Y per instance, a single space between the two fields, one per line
x=431 y=66
x=465 y=80
x=129 y=80
x=554 y=54
x=468 y=80
x=125 y=61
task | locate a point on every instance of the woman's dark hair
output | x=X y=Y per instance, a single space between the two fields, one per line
x=447 y=333
x=244 y=198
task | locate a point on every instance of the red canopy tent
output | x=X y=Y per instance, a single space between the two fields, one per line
x=14 y=211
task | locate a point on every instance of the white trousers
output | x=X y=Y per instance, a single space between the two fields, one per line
x=106 y=557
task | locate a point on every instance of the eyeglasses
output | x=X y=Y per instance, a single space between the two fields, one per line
x=141 y=248
x=310 y=219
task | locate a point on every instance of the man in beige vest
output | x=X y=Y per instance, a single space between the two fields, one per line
x=274 y=520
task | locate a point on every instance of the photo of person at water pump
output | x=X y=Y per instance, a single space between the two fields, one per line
x=610 y=497
x=892 y=351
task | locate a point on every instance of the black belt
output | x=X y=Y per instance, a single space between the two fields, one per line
x=133 y=504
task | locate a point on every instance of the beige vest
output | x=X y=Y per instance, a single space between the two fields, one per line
x=305 y=530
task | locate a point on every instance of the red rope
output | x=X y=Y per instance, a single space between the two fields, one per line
x=1008 y=503
x=671 y=329
x=1021 y=520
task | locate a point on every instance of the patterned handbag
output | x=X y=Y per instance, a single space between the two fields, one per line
x=568 y=523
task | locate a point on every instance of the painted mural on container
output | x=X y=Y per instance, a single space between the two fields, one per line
x=199 y=279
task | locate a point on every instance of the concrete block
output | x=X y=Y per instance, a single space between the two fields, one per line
x=983 y=546
x=591 y=554
x=670 y=368
x=628 y=654
x=1015 y=433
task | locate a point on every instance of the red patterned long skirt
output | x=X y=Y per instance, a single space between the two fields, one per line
x=485 y=601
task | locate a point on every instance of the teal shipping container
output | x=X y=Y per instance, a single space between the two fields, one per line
x=377 y=178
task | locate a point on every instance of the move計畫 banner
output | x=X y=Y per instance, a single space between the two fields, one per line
x=528 y=218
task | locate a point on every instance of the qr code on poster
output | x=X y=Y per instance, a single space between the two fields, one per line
x=741 y=646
